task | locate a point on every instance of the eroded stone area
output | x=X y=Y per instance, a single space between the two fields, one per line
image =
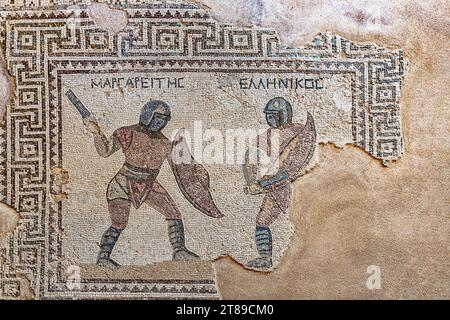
x=8 y=222
x=108 y=18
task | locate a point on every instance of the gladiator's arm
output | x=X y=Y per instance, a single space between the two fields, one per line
x=295 y=155
x=249 y=169
x=106 y=147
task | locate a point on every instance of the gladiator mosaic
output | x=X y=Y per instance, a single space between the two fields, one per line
x=137 y=158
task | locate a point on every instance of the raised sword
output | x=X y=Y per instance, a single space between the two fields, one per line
x=84 y=112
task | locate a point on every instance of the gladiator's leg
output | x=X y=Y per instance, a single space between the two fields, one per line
x=160 y=200
x=119 y=210
x=177 y=240
x=271 y=209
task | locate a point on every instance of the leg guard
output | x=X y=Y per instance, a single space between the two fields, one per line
x=263 y=237
x=177 y=240
x=107 y=244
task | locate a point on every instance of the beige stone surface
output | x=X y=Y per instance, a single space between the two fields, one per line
x=351 y=212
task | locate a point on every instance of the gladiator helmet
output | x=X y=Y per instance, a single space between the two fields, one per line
x=278 y=112
x=155 y=115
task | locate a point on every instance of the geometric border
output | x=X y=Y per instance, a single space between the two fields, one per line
x=41 y=44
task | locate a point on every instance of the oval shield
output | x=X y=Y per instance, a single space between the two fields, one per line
x=192 y=177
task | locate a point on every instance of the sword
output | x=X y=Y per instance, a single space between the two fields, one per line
x=84 y=112
x=264 y=183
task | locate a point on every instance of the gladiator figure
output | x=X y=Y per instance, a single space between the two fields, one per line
x=296 y=144
x=145 y=148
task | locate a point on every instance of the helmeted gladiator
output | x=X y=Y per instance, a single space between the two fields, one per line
x=145 y=149
x=296 y=144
